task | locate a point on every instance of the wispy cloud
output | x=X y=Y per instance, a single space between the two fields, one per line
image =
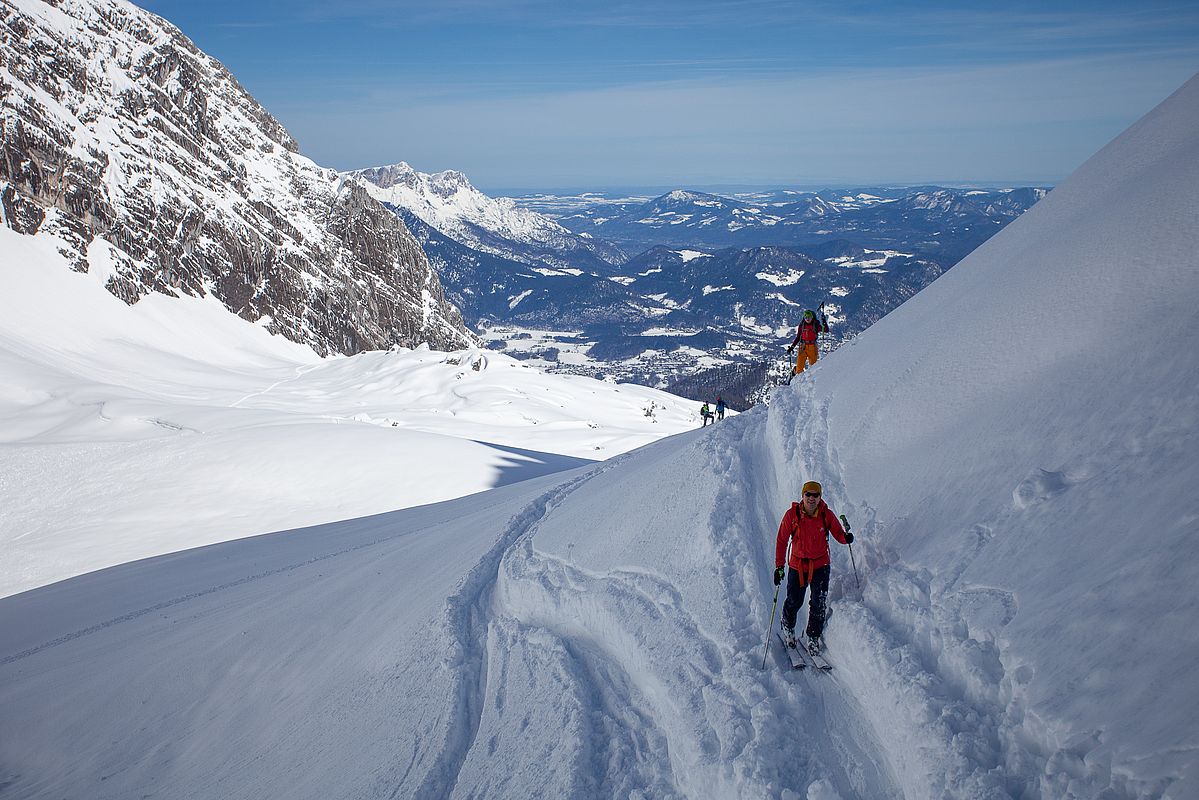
x=923 y=89
x=1033 y=122
x=1101 y=20
x=249 y=25
x=674 y=14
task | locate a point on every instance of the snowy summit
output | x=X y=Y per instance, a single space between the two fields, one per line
x=448 y=202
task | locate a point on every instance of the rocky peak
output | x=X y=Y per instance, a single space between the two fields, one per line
x=450 y=204
x=385 y=177
x=449 y=182
x=120 y=134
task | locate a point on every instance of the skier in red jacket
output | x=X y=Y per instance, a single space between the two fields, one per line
x=805 y=527
x=806 y=337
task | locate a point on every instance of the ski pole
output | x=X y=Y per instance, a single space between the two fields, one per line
x=823 y=332
x=770 y=625
x=845 y=522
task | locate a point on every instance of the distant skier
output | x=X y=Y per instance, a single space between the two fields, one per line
x=706 y=413
x=806 y=337
x=806 y=526
x=719 y=407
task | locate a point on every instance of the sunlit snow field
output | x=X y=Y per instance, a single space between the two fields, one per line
x=134 y=431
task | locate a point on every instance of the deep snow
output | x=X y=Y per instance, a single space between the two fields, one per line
x=127 y=432
x=1015 y=447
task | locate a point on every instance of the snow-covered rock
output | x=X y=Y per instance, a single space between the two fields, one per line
x=142 y=157
x=449 y=203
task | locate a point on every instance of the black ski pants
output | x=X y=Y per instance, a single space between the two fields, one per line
x=816 y=603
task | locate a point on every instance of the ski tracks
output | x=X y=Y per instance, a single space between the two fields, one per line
x=589 y=684
x=466 y=619
x=926 y=693
x=922 y=656
x=573 y=682
x=637 y=659
x=569 y=682
x=576 y=683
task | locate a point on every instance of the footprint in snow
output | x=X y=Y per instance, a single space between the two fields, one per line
x=1040 y=485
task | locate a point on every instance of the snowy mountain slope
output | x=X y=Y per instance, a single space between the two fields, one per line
x=449 y=203
x=487 y=287
x=494 y=667
x=244 y=728
x=128 y=431
x=1054 y=471
x=144 y=160
x=1025 y=512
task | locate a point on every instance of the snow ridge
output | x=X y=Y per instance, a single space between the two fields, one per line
x=446 y=200
x=450 y=204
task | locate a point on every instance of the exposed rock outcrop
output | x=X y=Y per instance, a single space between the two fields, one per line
x=124 y=142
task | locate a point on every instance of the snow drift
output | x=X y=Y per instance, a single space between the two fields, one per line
x=132 y=431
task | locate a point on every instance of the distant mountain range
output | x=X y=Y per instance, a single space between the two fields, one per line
x=665 y=290
x=933 y=221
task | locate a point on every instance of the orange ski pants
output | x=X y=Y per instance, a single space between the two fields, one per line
x=808 y=353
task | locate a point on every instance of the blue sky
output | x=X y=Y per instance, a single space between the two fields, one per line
x=540 y=94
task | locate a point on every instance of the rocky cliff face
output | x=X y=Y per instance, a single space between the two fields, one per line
x=143 y=158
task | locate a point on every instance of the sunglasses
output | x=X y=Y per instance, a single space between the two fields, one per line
x=811 y=494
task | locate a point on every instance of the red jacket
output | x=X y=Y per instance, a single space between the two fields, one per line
x=808 y=332
x=808 y=538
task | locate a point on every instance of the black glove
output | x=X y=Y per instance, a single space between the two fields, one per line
x=848 y=537
x=778 y=575
x=790 y=348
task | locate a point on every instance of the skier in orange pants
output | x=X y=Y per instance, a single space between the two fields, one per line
x=809 y=329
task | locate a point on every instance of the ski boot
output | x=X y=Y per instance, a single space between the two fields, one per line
x=815 y=645
x=789 y=636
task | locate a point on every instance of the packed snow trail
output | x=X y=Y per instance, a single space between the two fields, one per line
x=590 y=584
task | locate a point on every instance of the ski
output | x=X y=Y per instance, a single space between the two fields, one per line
x=819 y=661
x=802 y=659
x=794 y=654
